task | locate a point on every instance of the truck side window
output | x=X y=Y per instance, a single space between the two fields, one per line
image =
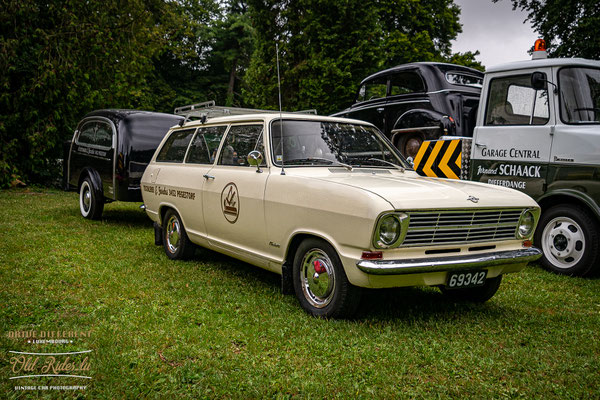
x=512 y=101
x=373 y=89
x=241 y=140
x=175 y=147
x=96 y=133
x=205 y=144
x=579 y=95
x=406 y=82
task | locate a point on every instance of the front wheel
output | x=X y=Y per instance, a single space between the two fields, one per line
x=409 y=145
x=175 y=240
x=91 y=204
x=320 y=282
x=479 y=294
x=569 y=238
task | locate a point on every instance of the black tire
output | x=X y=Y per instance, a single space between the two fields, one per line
x=91 y=204
x=175 y=240
x=409 y=144
x=569 y=237
x=332 y=297
x=479 y=294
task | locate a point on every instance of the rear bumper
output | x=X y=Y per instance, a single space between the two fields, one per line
x=436 y=264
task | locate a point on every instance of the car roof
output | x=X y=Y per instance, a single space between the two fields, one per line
x=119 y=113
x=268 y=117
x=426 y=64
x=544 y=62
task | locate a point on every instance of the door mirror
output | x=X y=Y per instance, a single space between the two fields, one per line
x=538 y=81
x=255 y=158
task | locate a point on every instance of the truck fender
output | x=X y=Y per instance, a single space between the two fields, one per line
x=551 y=197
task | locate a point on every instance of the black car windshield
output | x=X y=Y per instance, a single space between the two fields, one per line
x=579 y=95
x=324 y=143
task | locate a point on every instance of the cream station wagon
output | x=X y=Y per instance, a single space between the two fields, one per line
x=331 y=205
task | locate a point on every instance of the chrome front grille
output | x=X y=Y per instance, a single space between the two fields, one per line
x=448 y=227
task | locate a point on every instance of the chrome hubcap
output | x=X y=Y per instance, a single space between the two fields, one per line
x=85 y=198
x=173 y=233
x=317 y=278
x=563 y=242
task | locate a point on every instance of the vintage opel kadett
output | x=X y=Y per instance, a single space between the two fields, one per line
x=332 y=206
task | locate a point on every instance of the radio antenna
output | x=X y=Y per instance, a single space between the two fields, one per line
x=280 y=112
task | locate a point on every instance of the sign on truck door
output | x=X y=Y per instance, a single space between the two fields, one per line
x=513 y=137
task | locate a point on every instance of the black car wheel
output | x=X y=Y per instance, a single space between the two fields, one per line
x=320 y=282
x=91 y=204
x=176 y=243
x=479 y=294
x=409 y=145
x=569 y=237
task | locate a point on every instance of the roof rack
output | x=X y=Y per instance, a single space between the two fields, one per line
x=208 y=109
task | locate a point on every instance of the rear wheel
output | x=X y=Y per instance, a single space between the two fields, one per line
x=479 y=294
x=91 y=204
x=409 y=144
x=569 y=237
x=320 y=282
x=176 y=243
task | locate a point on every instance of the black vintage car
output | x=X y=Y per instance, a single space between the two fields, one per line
x=419 y=101
x=108 y=154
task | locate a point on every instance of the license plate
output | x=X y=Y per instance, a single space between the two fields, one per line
x=466 y=279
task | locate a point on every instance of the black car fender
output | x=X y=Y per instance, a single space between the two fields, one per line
x=431 y=124
x=94 y=179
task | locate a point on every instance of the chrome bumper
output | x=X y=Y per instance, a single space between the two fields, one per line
x=421 y=265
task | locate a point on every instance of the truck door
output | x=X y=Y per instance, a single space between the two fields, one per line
x=513 y=137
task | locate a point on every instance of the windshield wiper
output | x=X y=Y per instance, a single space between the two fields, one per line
x=388 y=162
x=312 y=159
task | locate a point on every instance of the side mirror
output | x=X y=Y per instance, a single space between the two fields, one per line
x=539 y=81
x=255 y=158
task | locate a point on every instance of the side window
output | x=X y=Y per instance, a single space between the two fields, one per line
x=241 y=140
x=512 y=101
x=205 y=144
x=96 y=133
x=406 y=82
x=175 y=147
x=373 y=89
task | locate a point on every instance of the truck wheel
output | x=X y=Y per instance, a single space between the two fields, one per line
x=320 y=282
x=569 y=237
x=90 y=204
x=409 y=145
x=176 y=243
x=479 y=294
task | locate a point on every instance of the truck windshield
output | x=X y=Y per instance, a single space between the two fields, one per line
x=324 y=143
x=579 y=95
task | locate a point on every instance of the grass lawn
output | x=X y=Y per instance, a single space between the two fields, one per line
x=214 y=327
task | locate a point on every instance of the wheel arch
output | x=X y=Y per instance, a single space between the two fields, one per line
x=94 y=179
x=407 y=123
x=569 y=196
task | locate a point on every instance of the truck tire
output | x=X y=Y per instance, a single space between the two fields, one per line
x=569 y=238
x=91 y=203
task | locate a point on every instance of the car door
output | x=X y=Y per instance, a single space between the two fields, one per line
x=513 y=137
x=233 y=194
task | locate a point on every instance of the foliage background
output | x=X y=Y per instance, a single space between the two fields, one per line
x=60 y=59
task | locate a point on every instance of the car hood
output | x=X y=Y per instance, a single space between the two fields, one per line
x=408 y=190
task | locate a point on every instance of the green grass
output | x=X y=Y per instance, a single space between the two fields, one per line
x=215 y=327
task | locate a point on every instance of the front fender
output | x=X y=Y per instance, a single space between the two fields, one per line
x=572 y=194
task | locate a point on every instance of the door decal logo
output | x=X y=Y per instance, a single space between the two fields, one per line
x=230 y=202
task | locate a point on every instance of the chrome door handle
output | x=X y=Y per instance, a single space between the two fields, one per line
x=207 y=176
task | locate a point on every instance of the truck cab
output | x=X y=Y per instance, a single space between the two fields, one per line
x=538 y=131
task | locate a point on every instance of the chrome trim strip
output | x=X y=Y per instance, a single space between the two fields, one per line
x=422 y=265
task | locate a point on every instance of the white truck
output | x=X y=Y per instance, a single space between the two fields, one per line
x=538 y=131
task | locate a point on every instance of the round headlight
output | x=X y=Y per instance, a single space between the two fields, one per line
x=526 y=223
x=389 y=230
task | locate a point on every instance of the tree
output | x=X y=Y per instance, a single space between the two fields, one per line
x=570 y=27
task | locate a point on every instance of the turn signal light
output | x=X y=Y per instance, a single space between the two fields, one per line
x=527 y=243
x=372 y=255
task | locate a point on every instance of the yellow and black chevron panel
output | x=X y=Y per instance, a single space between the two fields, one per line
x=441 y=158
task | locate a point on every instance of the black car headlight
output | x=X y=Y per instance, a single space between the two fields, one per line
x=391 y=230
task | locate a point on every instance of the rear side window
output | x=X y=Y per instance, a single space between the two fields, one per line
x=175 y=147
x=205 y=144
x=512 y=101
x=373 y=89
x=406 y=82
x=96 y=133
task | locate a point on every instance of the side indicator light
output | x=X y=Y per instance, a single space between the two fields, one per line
x=372 y=255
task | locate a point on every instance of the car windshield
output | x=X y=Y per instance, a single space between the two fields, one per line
x=579 y=95
x=324 y=143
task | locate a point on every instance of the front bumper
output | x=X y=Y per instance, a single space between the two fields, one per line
x=436 y=264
